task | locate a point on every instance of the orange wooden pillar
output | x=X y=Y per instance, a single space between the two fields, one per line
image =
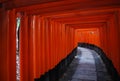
x=57 y=42
x=40 y=48
x=104 y=39
x=31 y=47
x=47 y=53
x=51 y=44
x=6 y=59
x=38 y=66
x=24 y=49
x=8 y=45
x=47 y=35
x=43 y=45
x=12 y=46
x=34 y=47
x=76 y=37
x=1 y=42
x=1 y=31
x=117 y=24
x=63 y=41
x=69 y=36
x=114 y=41
x=66 y=41
x=4 y=48
x=119 y=34
x=72 y=38
x=54 y=43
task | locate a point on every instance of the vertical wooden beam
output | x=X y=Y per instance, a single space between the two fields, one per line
x=43 y=44
x=1 y=19
x=51 y=44
x=30 y=48
x=37 y=43
x=0 y=38
x=118 y=27
x=119 y=36
x=24 y=49
x=8 y=46
x=47 y=46
x=12 y=46
x=40 y=45
x=4 y=71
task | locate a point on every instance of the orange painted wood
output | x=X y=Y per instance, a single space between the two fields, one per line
x=63 y=39
x=119 y=33
x=3 y=50
x=35 y=36
x=12 y=46
x=43 y=46
x=54 y=43
x=104 y=39
x=7 y=46
x=31 y=73
x=47 y=44
x=57 y=45
x=114 y=42
x=61 y=44
x=1 y=1
x=36 y=45
x=24 y=49
x=63 y=6
x=40 y=49
x=88 y=36
x=51 y=45
x=0 y=40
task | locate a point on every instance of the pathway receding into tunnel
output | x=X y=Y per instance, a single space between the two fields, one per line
x=86 y=66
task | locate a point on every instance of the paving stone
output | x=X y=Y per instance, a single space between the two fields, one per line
x=88 y=77
x=86 y=72
x=75 y=80
x=86 y=80
x=86 y=68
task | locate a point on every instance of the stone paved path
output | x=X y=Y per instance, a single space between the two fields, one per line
x=85 y=67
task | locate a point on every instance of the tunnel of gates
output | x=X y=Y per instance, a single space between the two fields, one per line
x=47 y=36
x=44 y=45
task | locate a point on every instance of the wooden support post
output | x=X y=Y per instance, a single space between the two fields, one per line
x=24 y=49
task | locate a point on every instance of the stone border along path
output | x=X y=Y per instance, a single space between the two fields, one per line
x=87 y=66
